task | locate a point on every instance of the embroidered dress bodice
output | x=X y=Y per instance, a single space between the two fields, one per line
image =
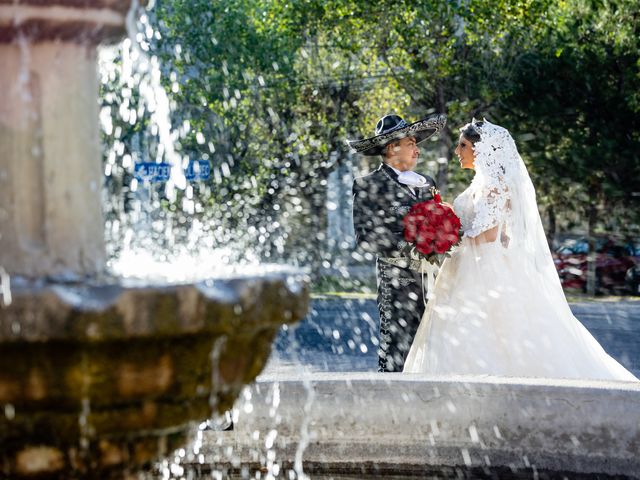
x=480 y=211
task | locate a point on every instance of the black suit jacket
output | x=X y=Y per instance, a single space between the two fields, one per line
x=380 y=203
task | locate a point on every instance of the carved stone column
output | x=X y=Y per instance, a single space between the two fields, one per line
x=50 y=171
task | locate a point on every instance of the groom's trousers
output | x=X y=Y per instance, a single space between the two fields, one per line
x=401 y=304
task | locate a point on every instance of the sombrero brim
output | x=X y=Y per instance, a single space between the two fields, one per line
x=421 y=130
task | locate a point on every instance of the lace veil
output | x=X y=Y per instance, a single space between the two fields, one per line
x=504 y=196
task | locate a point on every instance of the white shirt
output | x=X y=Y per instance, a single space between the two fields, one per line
x=410 y=179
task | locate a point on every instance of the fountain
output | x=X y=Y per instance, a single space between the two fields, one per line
x=99 y=373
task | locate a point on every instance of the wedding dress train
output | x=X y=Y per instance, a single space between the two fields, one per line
x=498 y=308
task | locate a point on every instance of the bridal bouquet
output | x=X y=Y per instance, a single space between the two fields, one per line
x=432 y=229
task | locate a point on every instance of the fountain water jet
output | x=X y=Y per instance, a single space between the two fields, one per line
x=99 y=373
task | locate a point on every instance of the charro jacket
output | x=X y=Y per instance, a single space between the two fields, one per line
x=380 y=203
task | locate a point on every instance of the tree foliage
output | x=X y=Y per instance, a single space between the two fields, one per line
x=270 y=90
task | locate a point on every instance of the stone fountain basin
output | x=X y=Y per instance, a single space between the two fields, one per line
x=369 y=425
x=113 y=374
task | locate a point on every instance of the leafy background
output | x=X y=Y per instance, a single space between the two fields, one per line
x=268 y=90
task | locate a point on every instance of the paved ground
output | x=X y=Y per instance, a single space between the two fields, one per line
x=341 y=335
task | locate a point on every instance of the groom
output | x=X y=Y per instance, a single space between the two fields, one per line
x=380 y=201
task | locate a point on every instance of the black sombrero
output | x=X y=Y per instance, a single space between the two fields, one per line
x=393 y=127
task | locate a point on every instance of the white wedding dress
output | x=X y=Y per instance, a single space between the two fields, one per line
x=497 y=308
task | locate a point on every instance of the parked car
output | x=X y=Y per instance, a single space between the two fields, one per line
x=633 y=279
x=614 y=260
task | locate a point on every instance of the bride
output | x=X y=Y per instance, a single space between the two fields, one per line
x=498 y=307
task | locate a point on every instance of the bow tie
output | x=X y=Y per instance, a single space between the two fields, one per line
x=412 y=179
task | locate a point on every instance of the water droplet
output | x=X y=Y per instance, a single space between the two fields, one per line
x=9 y=411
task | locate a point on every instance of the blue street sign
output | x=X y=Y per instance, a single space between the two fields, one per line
x=198 y=170
x=152 y=172
x=161 y=172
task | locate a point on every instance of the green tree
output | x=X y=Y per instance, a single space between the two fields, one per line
x=268 y=90
x=575 y=90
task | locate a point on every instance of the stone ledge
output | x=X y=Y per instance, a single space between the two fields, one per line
x=123 y=310
x=407 y=422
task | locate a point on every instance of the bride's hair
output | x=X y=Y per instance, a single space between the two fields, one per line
x=470 y=130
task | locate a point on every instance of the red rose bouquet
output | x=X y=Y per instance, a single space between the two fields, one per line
x=432 y=229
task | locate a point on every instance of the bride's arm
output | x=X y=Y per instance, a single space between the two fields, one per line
x=489 y=214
